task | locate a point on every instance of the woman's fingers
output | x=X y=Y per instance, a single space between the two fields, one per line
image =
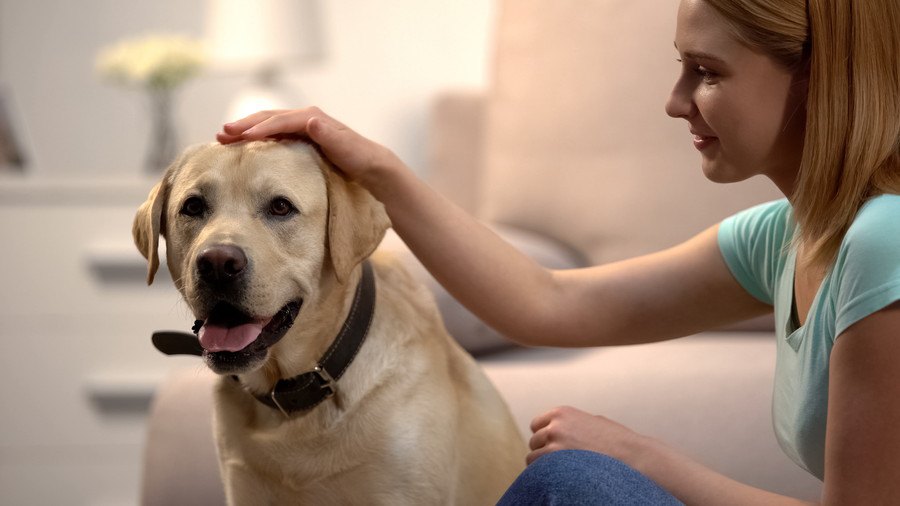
x=538 y=440
x=542 y=420
x=292 y=122
x=238 y=127
x=536 y=454
x=356 y=156
x=269 y=124
x=228 y=139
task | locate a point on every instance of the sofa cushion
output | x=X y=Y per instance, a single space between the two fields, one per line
x=577 y=144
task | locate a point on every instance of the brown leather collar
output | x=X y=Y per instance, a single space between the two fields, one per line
x=307 y=390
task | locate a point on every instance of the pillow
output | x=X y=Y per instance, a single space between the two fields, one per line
x=469 y=331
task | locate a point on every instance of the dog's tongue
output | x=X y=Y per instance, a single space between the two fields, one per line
x=219 y=338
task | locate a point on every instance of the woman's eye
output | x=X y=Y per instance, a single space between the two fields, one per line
x=280 y=207
x=705 y=74
x=193 y=206
x=708 y=76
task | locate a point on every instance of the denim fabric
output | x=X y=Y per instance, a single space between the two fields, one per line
x=580 y=477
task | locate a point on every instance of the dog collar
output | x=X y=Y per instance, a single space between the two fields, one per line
x=309 y=389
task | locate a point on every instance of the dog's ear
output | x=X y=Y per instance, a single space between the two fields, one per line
x=149 y=221
x=148 y=225
x=356 y=223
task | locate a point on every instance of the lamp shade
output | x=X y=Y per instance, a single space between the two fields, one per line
x=252 y=34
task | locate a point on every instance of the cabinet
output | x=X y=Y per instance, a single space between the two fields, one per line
x=77 y=364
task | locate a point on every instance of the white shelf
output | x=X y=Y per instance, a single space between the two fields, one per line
x=118 y=262
x=111 y=191
x=122 y=387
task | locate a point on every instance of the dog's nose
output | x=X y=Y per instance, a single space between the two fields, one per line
x=221 y=264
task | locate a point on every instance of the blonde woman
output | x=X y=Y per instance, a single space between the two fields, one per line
x=806 y=93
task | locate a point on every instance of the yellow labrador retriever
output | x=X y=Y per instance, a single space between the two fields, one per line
x=339 y=383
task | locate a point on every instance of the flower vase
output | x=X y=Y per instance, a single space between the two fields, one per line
x=163 y=145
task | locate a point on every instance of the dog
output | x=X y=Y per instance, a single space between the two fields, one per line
x=338 y=382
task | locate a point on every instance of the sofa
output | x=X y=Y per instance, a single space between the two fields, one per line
x=568 y=155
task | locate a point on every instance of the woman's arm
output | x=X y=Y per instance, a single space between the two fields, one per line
x=692 y=483
x=862 y=445
x=669 y=294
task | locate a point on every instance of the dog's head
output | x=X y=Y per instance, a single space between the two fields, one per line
x=251 y=232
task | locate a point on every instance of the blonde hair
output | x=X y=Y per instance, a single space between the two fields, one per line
x=851 y=152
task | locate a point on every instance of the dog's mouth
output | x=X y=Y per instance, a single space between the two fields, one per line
x=228 y=329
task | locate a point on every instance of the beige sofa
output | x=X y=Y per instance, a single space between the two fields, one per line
x=570 y=156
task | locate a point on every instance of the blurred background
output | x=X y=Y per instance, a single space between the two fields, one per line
x=77 y=142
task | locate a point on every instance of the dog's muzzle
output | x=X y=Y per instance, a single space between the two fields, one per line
x=233 y=341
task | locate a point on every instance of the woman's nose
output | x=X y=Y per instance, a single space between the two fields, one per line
x=680 y=102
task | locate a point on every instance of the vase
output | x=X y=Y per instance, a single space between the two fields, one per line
x=163 y=144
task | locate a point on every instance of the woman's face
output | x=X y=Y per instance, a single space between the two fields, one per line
x=745 y=110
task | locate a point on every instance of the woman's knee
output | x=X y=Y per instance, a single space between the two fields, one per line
x=583 y=477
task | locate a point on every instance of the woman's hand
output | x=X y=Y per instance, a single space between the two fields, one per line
x=567 y=428
x=358 y=157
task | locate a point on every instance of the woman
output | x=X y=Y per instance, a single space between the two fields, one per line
x=806 y=93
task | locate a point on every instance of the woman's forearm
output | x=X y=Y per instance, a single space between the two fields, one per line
x=498 y=283
x=693 y=483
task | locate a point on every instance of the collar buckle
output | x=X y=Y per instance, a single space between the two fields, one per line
x=323 y=381
x=326 y=382
x=277 y=404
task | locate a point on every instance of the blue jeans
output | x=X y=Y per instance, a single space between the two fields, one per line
x=580 y=477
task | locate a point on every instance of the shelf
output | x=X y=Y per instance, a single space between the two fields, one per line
x=29 y=191
x=122 y=392
x=117 y=263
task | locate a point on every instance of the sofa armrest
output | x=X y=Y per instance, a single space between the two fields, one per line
x=180 y=464
x=455 y=151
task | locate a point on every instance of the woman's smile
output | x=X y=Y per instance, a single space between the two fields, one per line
x=701 y=142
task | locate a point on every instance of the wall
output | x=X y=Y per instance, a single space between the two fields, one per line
x=75 y=316
x=382 y=62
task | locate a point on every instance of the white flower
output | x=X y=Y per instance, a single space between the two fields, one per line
x=154 y=61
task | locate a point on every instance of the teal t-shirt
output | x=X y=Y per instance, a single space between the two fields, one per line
x=865 y=277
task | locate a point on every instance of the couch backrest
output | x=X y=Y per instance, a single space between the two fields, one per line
x=577 y=144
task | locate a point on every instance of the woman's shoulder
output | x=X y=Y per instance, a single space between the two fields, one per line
x=887 y=204
x=767 y=223
x=877 y=225
x=871 y=247
x=752 y=243
x=867 y=270
x=778 y=207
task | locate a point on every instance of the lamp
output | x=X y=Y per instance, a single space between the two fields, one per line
x=261 y=38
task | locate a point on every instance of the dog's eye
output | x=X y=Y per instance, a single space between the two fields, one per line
x=280 y=207
x=193 y=206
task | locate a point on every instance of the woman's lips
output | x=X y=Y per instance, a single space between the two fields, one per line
x=702 y=142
